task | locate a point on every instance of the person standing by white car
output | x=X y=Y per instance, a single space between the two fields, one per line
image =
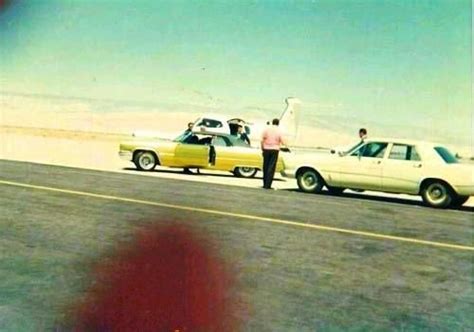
x=272 y=139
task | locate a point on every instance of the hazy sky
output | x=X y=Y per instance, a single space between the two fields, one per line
x=396 y=62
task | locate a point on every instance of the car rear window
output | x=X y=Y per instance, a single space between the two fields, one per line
x=446 y=155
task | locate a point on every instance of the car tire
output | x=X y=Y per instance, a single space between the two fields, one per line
x=309 y=181
x=335 y=190
x=145 y=160
x=458 y=201
x=437 y=194
x=245 y=172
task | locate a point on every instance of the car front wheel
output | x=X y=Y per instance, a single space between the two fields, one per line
x=245 y=172
x=437 y=194
x=310 y=181
x=145 y=161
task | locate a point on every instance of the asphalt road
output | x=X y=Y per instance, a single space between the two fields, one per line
x=304 y=261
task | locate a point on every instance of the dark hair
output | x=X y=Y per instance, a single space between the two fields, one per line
x=275 y=122
x=363 y=131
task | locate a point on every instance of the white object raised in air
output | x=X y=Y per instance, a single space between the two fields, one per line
x=219 y=124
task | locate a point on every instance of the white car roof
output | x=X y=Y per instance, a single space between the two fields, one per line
x=218 y=117
x=404 y=141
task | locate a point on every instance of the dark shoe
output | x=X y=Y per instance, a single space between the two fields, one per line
x=187 y=171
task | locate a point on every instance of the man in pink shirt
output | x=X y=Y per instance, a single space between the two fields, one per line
x=272 y=139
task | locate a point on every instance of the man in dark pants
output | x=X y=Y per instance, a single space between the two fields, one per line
x=189 y=132
x=271 y=141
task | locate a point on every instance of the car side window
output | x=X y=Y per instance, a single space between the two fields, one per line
x=404 y=152
x=371 y=150
x=236 y=141
x=205 y=141
x=191 y=139
x=414 y=154
x=220 y=141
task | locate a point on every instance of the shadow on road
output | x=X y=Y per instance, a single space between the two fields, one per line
x=368 y=197
x=194 y=173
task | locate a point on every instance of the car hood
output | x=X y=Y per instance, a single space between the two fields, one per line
x=297 y=158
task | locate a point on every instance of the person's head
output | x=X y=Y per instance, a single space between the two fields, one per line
x=190 y=125
x=362 y=132
x=275 y=122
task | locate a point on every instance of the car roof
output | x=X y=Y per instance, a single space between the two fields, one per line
x=218 y=117
x=403 y=141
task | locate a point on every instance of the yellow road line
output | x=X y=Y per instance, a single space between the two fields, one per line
x=244 y=216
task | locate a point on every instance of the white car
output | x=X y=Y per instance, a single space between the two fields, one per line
x=388 y=165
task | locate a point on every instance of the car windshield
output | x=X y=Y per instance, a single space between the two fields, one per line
x=183 y=137
x=355 y=147
x=189 y=137
x=446 y=155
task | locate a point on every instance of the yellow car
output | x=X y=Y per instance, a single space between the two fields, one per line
x=203 y=151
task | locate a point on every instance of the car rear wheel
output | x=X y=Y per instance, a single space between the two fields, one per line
x=145 y=161
x=437 y=194
x=310 y=181
x=335 y=190
x=458 y=201
x=245 y=172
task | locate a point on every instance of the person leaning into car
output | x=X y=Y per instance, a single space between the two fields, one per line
x=271 y=141
x=188 y=132
x=243 y=135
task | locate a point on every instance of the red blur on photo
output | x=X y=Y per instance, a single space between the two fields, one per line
x=167 y=279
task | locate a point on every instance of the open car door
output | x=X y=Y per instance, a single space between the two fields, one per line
x=192 y=154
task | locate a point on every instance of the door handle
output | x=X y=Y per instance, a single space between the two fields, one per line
x=377 y=162
x=417 y=165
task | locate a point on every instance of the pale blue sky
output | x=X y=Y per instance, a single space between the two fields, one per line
x=384 y=62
